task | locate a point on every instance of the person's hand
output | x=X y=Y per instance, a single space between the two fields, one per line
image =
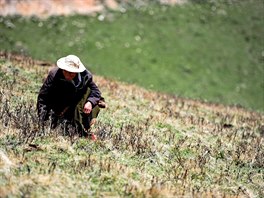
x=87 y=107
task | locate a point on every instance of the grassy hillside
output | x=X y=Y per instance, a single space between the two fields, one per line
x=211 y=51
x=150 y=145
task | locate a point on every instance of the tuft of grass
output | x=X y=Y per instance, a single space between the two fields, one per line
x=211 y=51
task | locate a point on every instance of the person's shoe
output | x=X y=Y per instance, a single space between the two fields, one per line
x=90 y=135
x=93 y=137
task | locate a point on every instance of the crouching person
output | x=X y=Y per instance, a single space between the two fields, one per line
x=69 y=93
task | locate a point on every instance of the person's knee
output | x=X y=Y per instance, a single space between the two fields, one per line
x=95 y=111
x=101 y=103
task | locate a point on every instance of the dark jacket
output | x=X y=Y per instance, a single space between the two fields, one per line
x=58 y=94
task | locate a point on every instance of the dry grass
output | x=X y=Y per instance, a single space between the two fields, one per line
x=150 y=145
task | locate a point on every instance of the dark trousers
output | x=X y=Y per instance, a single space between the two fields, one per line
x=76 y=118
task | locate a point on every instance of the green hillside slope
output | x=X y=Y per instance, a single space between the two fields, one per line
x=149 y=145
x=210 y=51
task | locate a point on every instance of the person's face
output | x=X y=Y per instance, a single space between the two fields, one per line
x=68 y=75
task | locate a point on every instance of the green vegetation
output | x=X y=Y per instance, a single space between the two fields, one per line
x=149 y=145
x=211 y=51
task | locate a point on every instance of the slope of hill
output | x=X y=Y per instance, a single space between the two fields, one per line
x=210 y=50
x=150 y=144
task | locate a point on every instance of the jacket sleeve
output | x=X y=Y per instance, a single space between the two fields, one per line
x=43 y=101
x=95 y=93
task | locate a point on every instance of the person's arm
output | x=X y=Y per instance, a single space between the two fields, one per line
x=43 y=100
x=95 y=94
x=93 y=97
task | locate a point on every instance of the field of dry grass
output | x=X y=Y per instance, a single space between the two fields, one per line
x=149 y=144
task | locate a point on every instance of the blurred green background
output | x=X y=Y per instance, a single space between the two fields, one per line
x=208 y=50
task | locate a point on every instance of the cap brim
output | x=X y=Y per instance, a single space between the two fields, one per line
x=62 y=65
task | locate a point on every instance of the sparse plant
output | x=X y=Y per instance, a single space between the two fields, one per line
x=176 y=148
